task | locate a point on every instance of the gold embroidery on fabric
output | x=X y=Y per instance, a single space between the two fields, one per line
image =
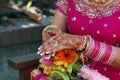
x=97 y=9
x=98 y=2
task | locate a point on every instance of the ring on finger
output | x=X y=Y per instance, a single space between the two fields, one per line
x=56 y=44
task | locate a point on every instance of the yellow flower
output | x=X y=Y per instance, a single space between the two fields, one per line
x=58 y=63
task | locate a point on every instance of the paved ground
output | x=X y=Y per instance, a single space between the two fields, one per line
x=6 y=72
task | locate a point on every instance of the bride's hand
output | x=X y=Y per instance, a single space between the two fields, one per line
x=50 y=31
x=59 y=42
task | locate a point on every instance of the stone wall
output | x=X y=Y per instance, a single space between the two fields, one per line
x=24 y=31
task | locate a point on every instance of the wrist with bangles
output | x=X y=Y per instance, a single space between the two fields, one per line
x=98 y=51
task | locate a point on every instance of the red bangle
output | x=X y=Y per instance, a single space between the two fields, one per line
x=99 y=51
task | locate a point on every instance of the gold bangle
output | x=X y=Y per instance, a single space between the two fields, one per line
x=85 y=45
x=82 y=47
x=44 y=32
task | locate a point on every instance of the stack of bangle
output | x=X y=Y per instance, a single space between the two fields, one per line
x=99 y=51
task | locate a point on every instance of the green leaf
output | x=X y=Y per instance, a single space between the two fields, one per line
x=76 y=66
x=62 y=74
x=74 y=78
x=69 y=69
x=55 y=75
x=28 y=5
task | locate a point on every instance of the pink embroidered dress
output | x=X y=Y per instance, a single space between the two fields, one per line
x=101 y=22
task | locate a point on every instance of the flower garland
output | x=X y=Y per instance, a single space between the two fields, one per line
x=67 y=65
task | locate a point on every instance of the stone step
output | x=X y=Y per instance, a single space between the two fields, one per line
x=23 y=31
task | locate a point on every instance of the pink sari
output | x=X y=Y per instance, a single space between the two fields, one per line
x=102 y=23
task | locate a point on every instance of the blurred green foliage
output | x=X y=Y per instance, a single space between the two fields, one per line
x=15 y=1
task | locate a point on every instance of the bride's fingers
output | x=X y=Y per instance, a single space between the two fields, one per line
x=57 y=48
x=48 y=56
x=52 y=39
x=54 y=50
x=48 y=45
x=50 y=31
x=46 y=42
x=49 y=34
x=46 y=49
x=51 y=44
x=53 y=47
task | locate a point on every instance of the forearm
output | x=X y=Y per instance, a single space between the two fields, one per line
x=116 y=61
x=59 y=20
x=57 y=26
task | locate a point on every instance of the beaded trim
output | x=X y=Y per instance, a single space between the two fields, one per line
x=96 y=11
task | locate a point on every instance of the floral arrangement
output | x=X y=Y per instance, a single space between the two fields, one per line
x=67 y=65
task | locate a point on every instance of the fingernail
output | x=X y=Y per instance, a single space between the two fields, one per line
x=40 y=48
x=53 y=54
x=47 y=57
x=48 y=52
x=41 y=54
x=38 y=52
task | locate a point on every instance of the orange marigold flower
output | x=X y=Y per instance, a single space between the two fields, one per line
x=66 y=55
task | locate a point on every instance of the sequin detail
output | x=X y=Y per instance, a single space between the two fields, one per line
x=82 y=28
x=114 y=35
x=96 y=11
x=105 y=25
x=119 y=74
x=74 y=19
x=119 y=18
x=98 y=32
